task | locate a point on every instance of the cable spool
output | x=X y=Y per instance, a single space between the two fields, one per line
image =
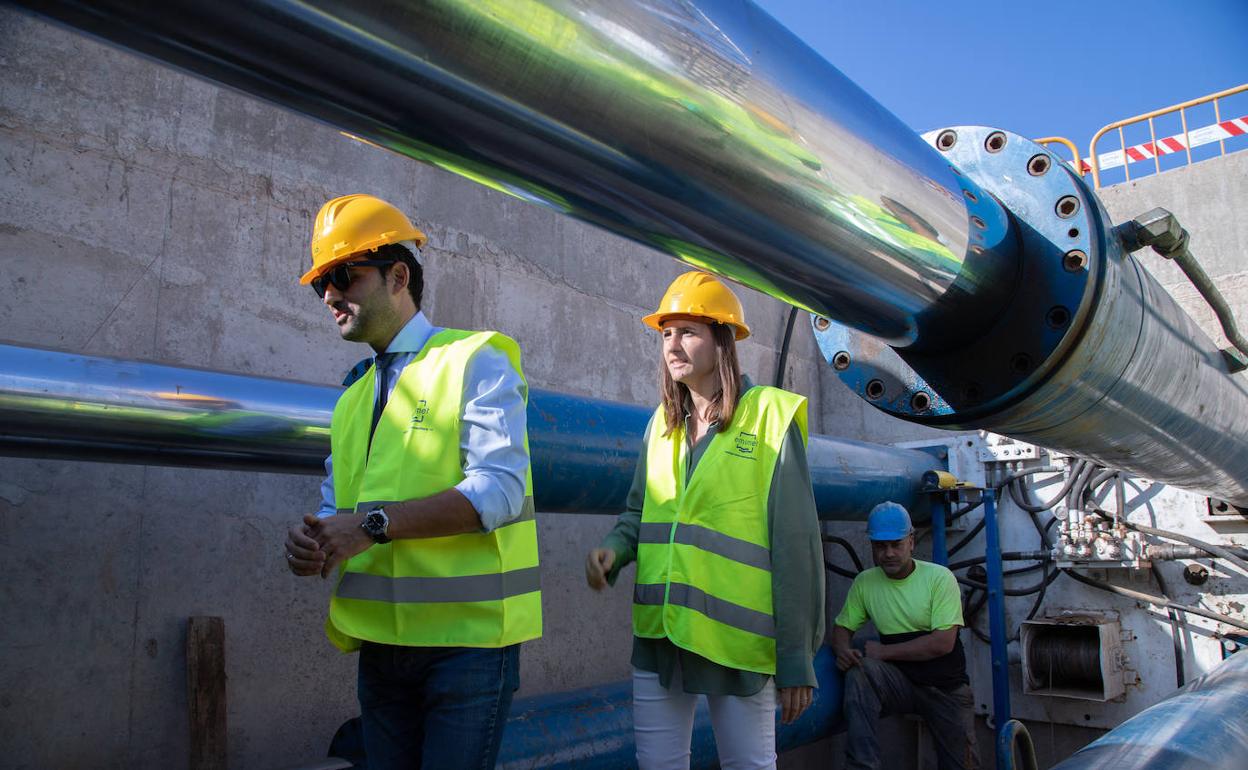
x=1065 y=659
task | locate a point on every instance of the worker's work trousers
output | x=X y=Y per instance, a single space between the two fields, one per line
x=745 y=727
x=435 y=708
x=875 y=688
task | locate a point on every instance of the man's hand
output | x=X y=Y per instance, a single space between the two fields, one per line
x=303 y=554
x=847 y=658
x=597 y=565
x=339 y=537
x=875 y=650
x=793 y=701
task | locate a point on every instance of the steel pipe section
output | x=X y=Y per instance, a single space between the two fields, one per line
x=67 y=406
x=1201 y=726
x=706 y=130
x=592 y=729
x=1094 y=358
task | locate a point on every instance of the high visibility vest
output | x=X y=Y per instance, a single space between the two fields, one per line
x=471 y=590
x=704 y=548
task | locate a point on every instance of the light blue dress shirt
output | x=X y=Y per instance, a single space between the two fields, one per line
x=491 y=439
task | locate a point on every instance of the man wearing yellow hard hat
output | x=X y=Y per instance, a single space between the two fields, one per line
x=427 y=507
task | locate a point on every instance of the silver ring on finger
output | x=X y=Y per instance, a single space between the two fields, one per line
x=290 y=556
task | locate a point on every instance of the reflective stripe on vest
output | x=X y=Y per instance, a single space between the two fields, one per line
x=703 y=550
x=471 y=590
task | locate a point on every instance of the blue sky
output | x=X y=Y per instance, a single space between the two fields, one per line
x=1063 y=67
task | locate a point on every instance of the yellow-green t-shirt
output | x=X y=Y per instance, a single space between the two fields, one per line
x=925 y=600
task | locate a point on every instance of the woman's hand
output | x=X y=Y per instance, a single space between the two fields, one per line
x=794 y=701
x=597 y=565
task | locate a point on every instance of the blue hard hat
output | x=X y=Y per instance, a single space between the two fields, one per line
x=888 y=521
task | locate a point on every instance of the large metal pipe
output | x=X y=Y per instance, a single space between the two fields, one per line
x=55 y=404
x=707 y=130
x=1201 y=726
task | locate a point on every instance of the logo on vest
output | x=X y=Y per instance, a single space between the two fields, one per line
x=745 y=445
x=418 y=416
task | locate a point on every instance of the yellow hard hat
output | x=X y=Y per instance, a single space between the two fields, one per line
x=353 y=224
x=702 y=295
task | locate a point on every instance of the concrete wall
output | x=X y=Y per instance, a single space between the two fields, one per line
x=146 y=214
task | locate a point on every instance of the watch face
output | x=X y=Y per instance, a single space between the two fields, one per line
x=375 y=522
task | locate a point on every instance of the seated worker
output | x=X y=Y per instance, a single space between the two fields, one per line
x=917 y=666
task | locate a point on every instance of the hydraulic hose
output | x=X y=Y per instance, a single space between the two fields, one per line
x=784 y=349
x=1211 y=548
x=1074 y=470
x=1173 y=614
x=1161 y=229
x=1140 y=596
x=848 y=546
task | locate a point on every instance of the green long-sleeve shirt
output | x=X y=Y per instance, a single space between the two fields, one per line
x=796 y=578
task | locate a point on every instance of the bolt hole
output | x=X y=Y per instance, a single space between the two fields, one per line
x=1057 y=317
x=976 y=248
x=995 y=142
x=970 y=196
x=875 y=389
x=840 y=361
x=1073 y=232
x=971 y=393
x=1067 y=205
x=822 y=323
x=1020 y=363
x=946 y=139
x=1074 y=261
x=978 y=222
x=920 y=401
x=1038 y=165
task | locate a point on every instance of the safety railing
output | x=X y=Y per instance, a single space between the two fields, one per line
x=1075 y=161
x=1183 y=142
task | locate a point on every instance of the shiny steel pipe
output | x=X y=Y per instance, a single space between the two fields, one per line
x=584 y=451
x=706 y=130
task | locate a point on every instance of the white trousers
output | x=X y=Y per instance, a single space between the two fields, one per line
x=745 y=728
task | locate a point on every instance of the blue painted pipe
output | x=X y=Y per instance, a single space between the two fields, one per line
x=584 y=450
x=592 y=729
x=1201 y=727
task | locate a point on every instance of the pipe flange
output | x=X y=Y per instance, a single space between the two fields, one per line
x=1057 y=237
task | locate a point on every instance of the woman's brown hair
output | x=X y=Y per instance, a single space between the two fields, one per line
x=676 y=399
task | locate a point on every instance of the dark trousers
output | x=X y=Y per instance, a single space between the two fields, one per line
x=435 y=708
x=876 y=688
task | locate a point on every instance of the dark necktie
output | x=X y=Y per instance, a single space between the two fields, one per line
x=380 y=366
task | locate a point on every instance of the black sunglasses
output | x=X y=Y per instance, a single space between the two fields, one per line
x=340 y=275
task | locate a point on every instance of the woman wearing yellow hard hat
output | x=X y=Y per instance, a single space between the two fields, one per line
x=722 y=484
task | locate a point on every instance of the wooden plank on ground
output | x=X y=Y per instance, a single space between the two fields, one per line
x=205 y=690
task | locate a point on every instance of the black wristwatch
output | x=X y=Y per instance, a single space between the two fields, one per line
x=376 y=523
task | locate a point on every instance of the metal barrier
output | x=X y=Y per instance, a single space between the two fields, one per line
x=1076 y=161
x=1181 y=108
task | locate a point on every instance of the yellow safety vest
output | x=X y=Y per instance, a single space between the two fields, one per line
x=704 y=549
x=471 y=590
